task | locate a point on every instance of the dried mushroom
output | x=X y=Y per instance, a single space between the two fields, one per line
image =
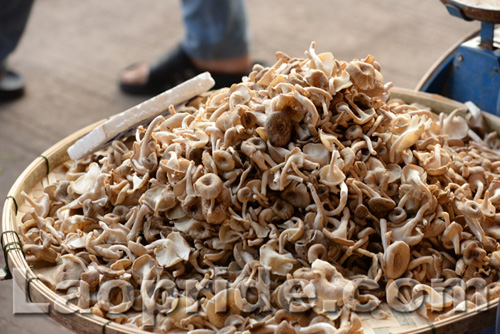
x=301 y=181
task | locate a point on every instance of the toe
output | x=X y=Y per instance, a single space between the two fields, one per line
x=136 y=74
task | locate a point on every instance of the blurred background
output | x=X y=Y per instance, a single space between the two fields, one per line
x=72 y=51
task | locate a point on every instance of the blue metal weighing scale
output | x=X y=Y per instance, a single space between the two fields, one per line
x=471 y=70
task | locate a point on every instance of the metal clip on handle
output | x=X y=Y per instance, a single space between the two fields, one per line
x=5 y=274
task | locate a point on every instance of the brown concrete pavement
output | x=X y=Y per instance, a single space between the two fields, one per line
x=72 y=51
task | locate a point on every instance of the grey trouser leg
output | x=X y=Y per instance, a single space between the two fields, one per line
x=13 y=18
x=215 y=29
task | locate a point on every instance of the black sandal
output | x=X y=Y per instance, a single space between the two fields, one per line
x=171 y=70
x=11 y=86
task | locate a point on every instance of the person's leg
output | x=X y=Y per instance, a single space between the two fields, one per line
x=216 y=36
x=216 y=40
x=13 y=18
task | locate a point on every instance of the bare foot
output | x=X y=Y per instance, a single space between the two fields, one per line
x=138 y=74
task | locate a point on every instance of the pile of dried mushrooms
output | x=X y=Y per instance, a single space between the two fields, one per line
x=286 y=203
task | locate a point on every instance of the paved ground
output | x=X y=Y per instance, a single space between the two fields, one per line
x=72 y=51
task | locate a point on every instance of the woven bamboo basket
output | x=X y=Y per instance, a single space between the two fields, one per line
x=46 y=169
